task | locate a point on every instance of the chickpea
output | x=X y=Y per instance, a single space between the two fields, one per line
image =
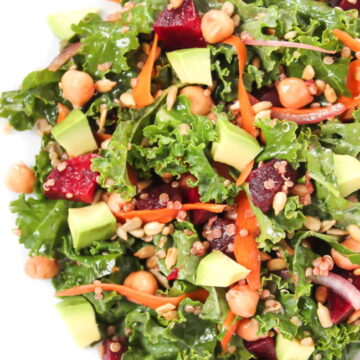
x=342 y=261
x=293 y=93
x=63 y=112
x=78 y=87
x=142 y=281
x=216 y=26
x=247 y=329
x=41 y=267
x=200 y=103
x=242 y=300
x=20 y=179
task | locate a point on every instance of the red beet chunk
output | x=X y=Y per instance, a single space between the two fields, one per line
x=267 y=180
x=74 y=181
x=157 y=197
x=220 y=233
x=268 y=94
x=339 y=308
x=174 y=274
x=263 y=349
x=347 y=5
x=180 y=28
x=198 y=217
x=107 y=354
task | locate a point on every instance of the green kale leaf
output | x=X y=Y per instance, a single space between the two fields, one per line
x=179 y=142
x=341 y=138
x=42 y=223
x=36 y=99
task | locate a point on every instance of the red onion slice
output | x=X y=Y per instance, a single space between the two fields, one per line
x=65 y=56
x=340 y=286
x=289 y=44
x=308 y=116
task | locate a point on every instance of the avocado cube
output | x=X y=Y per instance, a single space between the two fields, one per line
x=292 y=349
x=235 y=146
x=60 y=23
x=347 y=172
x=79 y=317
x=74 y=134
x=192 y=66
x=91 y=223
x=218 y=269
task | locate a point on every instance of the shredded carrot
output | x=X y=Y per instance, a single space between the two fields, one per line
x=102 y=137
x=139 y=297
x=245 y=173
x=352 y=43
x=160 y=215
x=352 y=84
x=247 y=113
x=166 y=215
x=63 y=112
x=142 y=90
x=230 y=328
x=215 y=208
x=349 y=102
x=245 y=246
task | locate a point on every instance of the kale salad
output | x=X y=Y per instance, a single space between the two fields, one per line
x=196 y=193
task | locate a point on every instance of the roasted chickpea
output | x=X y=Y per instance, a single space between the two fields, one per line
x=63 y=112
x=41 y=267
x=142 y=281
x=20 y=179
x=342 y=261
x=247 y=329
x=293 y=93
x=78 y=87
x=216 y=26
x=200 y=102
x=243 y=300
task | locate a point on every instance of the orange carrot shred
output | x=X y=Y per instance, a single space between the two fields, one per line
x=352 y=84
x=230 y=328
x=352 y=43
x=247 y=113
x=245 y=173
x=246 y=250
x=166 y=215
x=139 y=297
x=142 y=90
x=349 y=102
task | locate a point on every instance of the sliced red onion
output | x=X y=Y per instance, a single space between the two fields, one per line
x=289 y=44
x=308 y=116
x=340 y=286
x=65 y=56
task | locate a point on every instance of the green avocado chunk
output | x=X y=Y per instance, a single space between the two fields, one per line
x=292 y=349
x=74 y=134
x=347 y=172
x=217 y=269
x=60 y=23
x=235 y=147
x=192 y=66
x=91 y=223
x=79 y=317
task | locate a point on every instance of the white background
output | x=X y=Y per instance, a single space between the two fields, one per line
x=30 y=327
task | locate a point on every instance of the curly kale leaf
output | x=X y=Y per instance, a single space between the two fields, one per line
x=179 y=144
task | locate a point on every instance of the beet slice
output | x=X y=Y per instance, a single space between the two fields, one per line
x=268 y=94
x=346 y=5
x=73 y=180
x=339 y=308
x=263 y=349
x=267 y=180
x=226 y=237
x=107 y=354
x=198 y=217
x=180 y=28
x=154 y=198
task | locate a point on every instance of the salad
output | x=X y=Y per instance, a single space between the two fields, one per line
x=196 y=193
